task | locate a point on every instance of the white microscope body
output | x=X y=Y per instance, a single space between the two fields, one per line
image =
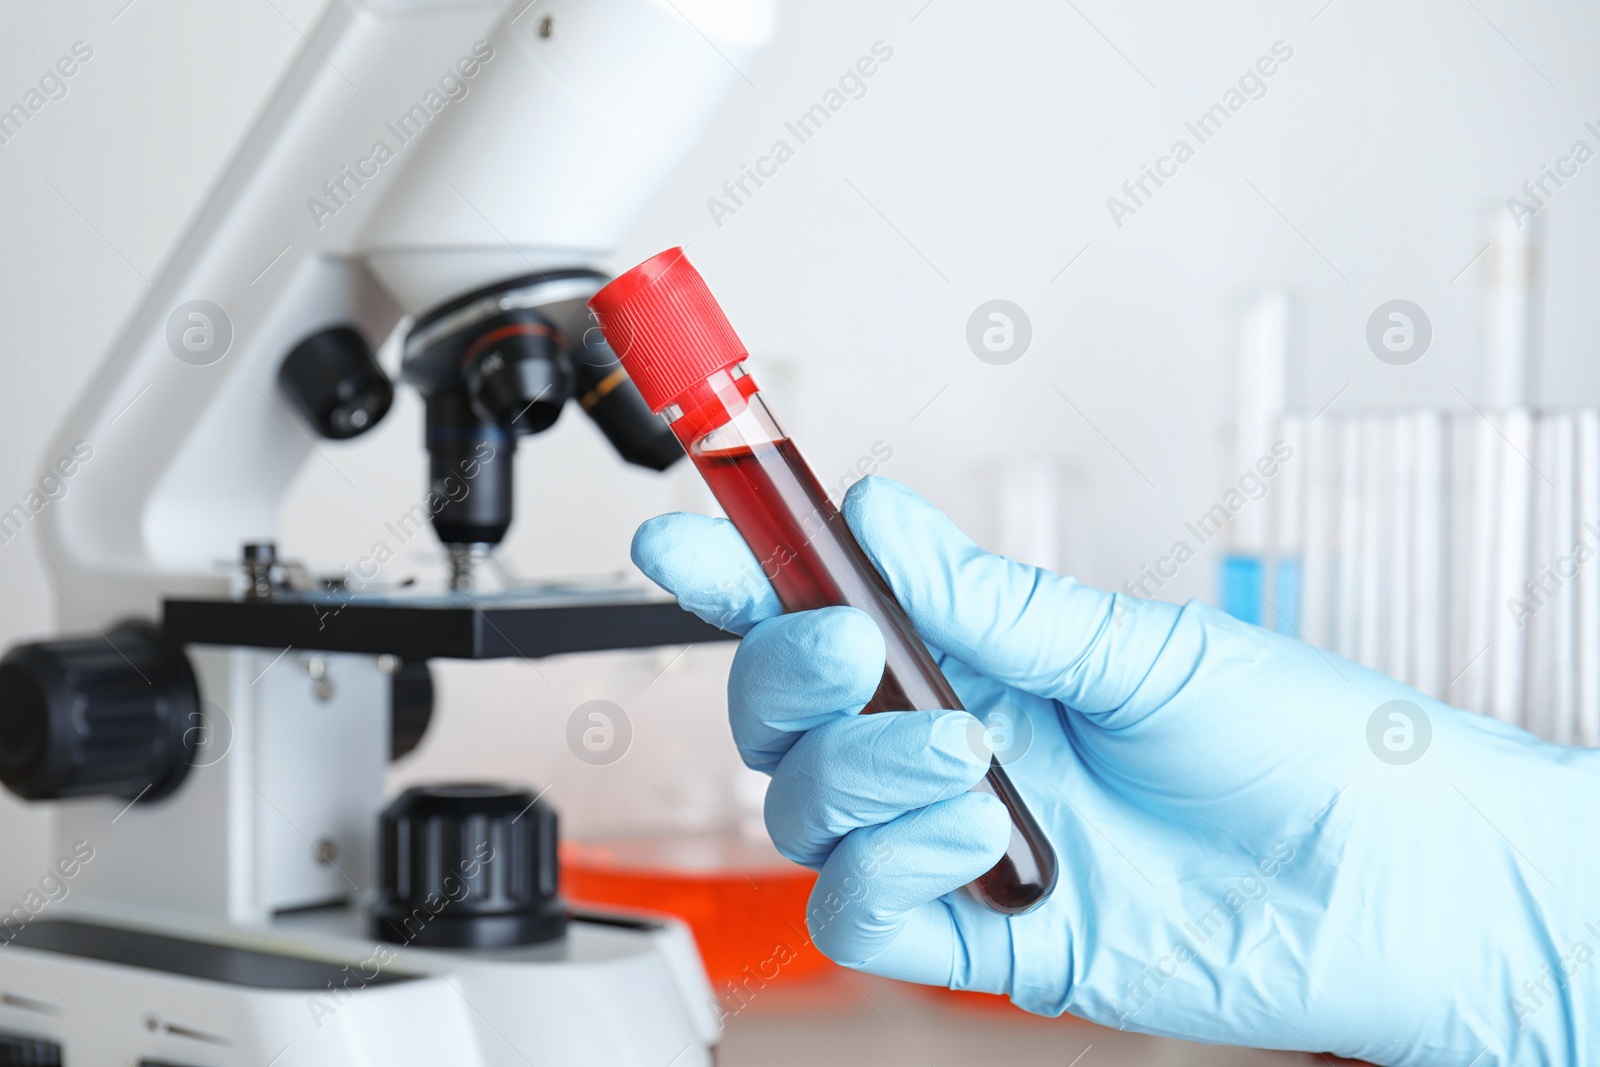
x=415 y=151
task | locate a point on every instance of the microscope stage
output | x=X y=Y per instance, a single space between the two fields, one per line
x=439 y=626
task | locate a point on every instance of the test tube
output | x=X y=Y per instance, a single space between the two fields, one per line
x=679 y=349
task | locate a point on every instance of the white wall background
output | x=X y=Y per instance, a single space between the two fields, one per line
x=977 y=166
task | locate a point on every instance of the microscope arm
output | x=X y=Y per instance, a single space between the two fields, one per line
x=412 y=153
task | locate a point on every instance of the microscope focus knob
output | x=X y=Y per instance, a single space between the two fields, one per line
x=113 y=715
x=468 y=866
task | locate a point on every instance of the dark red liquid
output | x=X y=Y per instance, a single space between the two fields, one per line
x=813 y=561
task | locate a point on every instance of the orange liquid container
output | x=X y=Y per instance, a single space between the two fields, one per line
x=745 y=902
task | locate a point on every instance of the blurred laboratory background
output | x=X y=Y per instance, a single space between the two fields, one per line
x=1285 y=307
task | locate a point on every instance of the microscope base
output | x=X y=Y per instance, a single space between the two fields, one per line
x=308 y=990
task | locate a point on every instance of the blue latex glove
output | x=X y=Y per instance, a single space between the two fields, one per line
x=1256 y=846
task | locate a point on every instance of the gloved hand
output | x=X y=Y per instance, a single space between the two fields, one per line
x=1258 y=845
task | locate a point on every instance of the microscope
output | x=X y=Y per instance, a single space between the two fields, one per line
x=229 y=885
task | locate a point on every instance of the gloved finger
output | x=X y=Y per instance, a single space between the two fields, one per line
x=869 y=769
x=706 y=564
x=1022 y=625
x=795 y=672
x=876 y=905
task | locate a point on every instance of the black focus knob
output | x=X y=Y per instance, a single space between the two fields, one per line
x=468 y=866
x=113 y=715
x=334 y=381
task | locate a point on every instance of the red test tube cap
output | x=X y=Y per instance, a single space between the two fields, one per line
x=666 y=327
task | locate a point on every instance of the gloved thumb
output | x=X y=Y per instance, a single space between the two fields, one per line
x=1021 y=625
